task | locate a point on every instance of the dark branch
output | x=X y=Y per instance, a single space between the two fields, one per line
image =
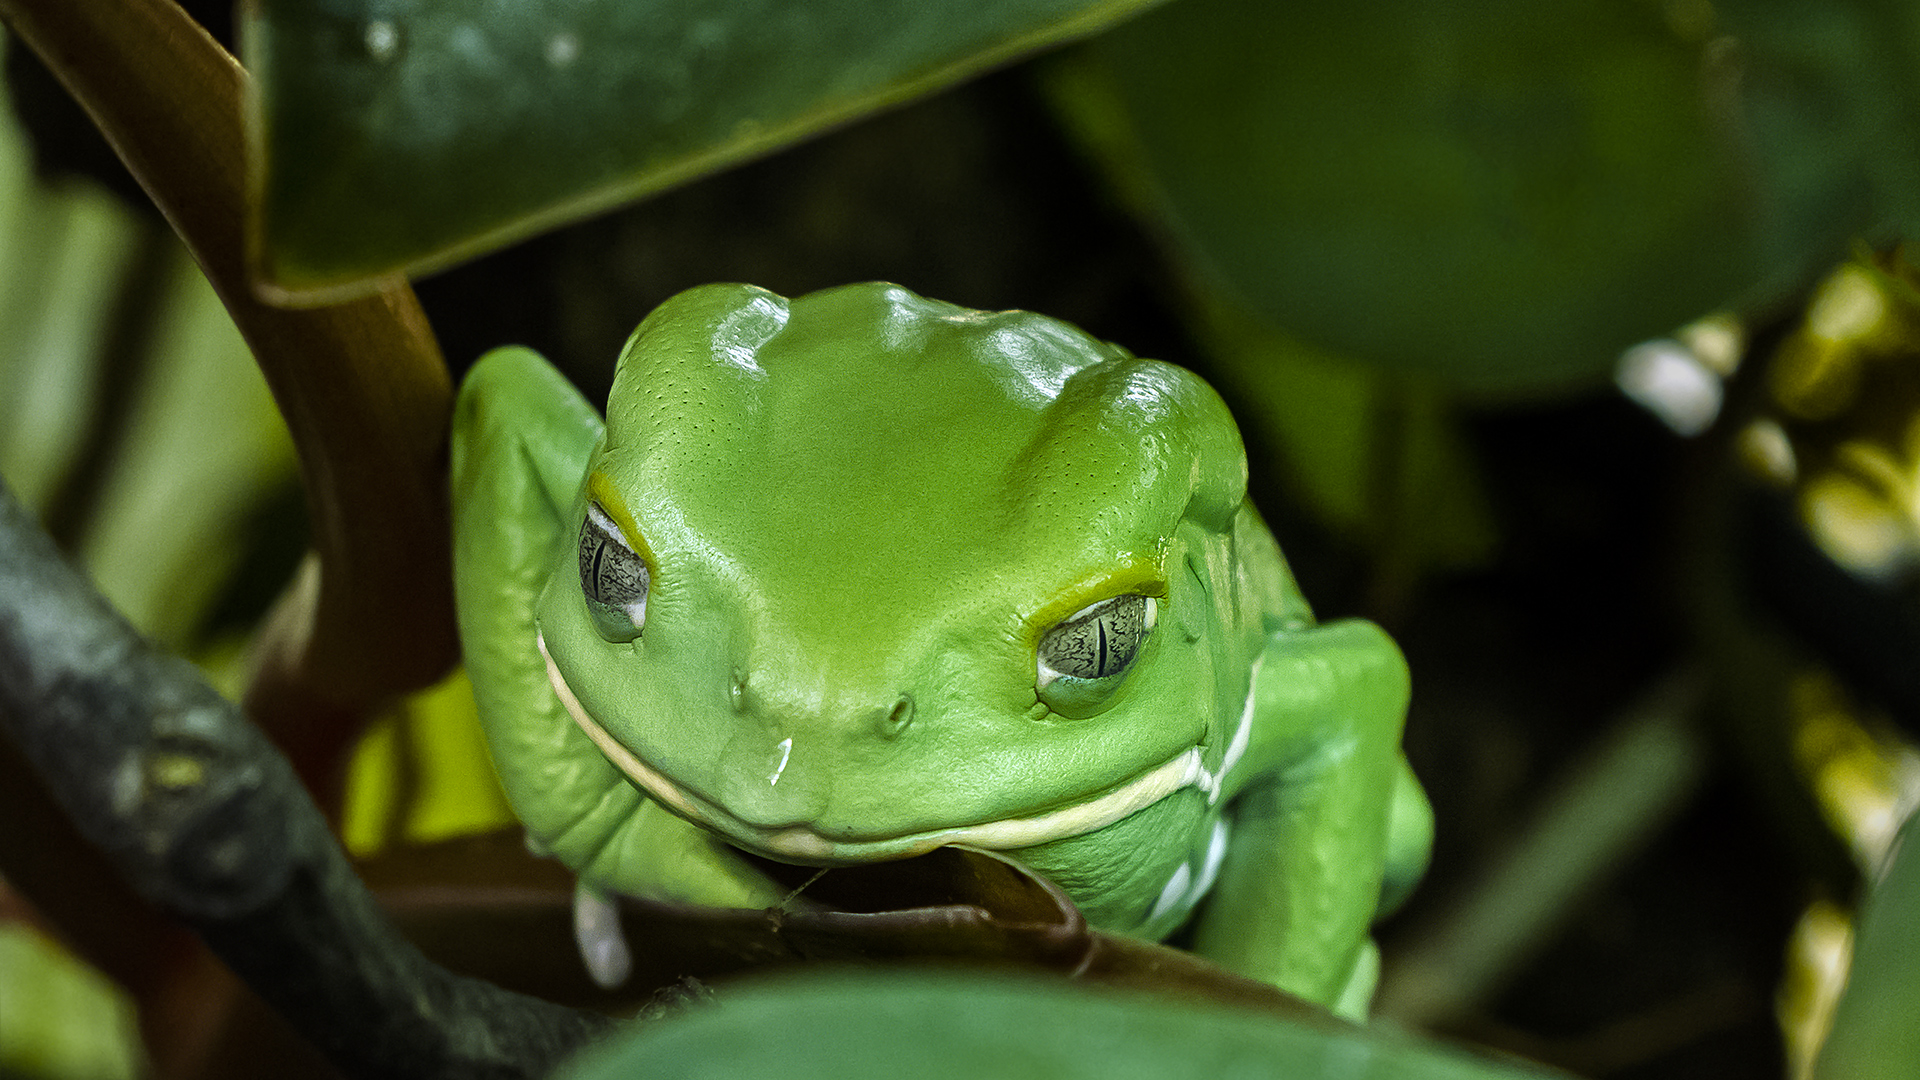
x=206 y=819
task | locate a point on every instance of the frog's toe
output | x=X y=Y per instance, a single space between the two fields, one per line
x=603 y=946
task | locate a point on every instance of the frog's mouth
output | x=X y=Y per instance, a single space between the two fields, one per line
x=800 y=843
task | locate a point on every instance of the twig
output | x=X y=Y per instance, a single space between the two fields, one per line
x=207 y=820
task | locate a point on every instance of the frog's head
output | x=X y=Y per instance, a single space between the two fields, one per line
x=860 y=574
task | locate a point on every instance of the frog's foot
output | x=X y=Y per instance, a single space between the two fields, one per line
x=1356 y=998
x=603 y=946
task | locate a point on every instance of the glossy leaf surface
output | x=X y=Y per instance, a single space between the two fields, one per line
x=400 y=134
x=895 y=1023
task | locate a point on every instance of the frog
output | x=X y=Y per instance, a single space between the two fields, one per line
x=848 y=577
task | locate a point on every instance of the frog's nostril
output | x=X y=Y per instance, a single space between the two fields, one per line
x=897 y=718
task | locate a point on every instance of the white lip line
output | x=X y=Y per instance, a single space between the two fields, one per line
x=1183 y=770
x=1242 y=735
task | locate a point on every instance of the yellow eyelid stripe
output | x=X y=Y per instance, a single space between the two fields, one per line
x=1136 y=574
x=601 y=490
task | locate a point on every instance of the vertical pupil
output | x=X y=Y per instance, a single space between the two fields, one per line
x=609 y=573
x=603 y=582
x=1101 y=642
x=592 y=548
x=613 y=579
x=599 y=572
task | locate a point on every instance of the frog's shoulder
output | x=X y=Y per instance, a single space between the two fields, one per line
x=1265 y=580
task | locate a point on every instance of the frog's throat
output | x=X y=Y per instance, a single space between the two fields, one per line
x=800 y=843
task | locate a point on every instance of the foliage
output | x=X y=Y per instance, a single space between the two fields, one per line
x=69 y=1025
x=1873 y=1032
x=1409 y=242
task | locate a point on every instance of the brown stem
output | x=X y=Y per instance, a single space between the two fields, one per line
x=361 y=384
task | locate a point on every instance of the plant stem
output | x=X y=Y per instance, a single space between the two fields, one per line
x=361 y=384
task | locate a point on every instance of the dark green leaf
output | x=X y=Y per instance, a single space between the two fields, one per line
x=1367 y=453
x=401 y=134
x=895 y=1023
x=1874 y=1034
x=1830 y=110
x=1506 y=195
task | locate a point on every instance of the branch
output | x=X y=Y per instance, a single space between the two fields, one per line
x=206 y=820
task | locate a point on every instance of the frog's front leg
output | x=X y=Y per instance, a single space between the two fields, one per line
x=522 y=436
x=1311 y=827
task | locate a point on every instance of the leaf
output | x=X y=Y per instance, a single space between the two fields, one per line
x=64 y=253
x=1503 y=195
x=421 y=774
x=203 y=448
x=1368 y=452
x=1830 y=123
x=1873 y=1030
x=904 y=1023
x=405 y=134
x=60 y=1019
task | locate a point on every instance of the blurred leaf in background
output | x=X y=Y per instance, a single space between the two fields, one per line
x=82 y=240
x=1827 y=124
x=1377 y=458
x=421 y=774
x=1504 y=196
x=1500 y=195
x=1874 y=1035
x=57 y=1018
x=202 y=449
x=132 y=415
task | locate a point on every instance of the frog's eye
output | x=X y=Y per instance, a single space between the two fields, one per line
x=613 y=577
x=1080 y=662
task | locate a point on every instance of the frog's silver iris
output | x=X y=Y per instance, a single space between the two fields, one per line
x=613 y=578
x=1080 y=661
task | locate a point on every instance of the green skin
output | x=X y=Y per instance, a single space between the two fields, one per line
x=864 y=518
